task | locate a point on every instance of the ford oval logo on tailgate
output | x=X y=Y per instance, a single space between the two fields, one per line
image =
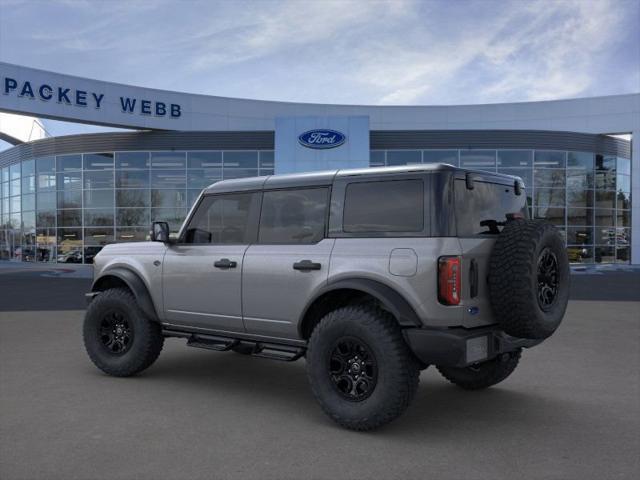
x=322 y=138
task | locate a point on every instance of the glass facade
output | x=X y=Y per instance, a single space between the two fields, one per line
x=587 y=196
x=66 y=208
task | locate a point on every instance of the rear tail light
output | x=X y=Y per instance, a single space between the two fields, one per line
x=449 y=280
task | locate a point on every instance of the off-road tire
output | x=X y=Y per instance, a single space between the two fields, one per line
x=514 y=278
x=397 y=369
x=484 y=374
x=146 y=343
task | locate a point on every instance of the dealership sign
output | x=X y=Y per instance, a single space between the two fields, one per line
x=68 y=95
x=322 y=138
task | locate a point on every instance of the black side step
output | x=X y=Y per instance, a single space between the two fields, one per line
x=211 y=342
x=278 y=352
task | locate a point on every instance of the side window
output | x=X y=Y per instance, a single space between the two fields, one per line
x=222 y=219
x=384 y=206
x=293 y=216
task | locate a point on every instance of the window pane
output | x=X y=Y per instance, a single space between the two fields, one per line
x=132 y=234
x=132 y=179
x=605 y=163
x=605 y=255
x=478 y=159
x=69 y=162
x=579 y=216
x=221 y=219
x=623 y=218
x=28 y=184
x=623 y=255
x=239 y=172
x=28 y=168
x=192 y=196
x=440 y=156
x=70 y=199
x=98 y=217
x=605 y=180
x=623 y=236
x=240 y=159
x=4 y=174
x=580 y=198
x=580 y=235
x=70 y=218
x=14 y=204
x=98 y=161
x=578 y=178
x=169 y=198
x=623 y=183
x=605 y=199
x=98 y=236
x=515 y=158
x=173 y=216
x=203 y=178
x=46 y=218
x=554 y=215
x=46 y=181
x=69 y=180
x=604 y=217
x=549 y=197
x=98 y=199
x=549 y=178
x=401 y=211
x=549 y=159
x=14 y=187
x=403 y=157
x=132 y=159
x=133 y=198
x=168 y=179
x=45 y=165
x=582 y=160
x=624 y=166
x=623 y=200
x=168 y=160
x=133 y=217
x=376 y=158
x=204 y=159
x=266 y=159
x=526 y=174
x=605 y=236
x=580 y=254
x=293 y=216
x=98 y=179
x=29 y=202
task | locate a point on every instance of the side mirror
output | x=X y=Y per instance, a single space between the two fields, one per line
x=160 y=232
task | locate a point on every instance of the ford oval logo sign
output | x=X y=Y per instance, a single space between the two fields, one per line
x=322 y=138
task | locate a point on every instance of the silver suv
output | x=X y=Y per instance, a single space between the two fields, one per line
x=371 y=275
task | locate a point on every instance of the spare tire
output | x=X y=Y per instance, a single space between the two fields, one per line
x=529 y=279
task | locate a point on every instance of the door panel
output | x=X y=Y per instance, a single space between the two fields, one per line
x=198 y=294
x=274 y=292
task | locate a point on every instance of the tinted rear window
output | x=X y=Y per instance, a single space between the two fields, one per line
x=487 y=201
x=386 y=206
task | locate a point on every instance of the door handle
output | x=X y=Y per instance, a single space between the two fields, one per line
x=225 y=263
x=305 y=265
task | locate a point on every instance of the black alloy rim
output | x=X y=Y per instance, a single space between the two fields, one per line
x=547 y=279
x=116 y=332
x=353 y=369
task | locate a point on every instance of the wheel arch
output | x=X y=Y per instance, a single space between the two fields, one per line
x=346 y=291
x=124 y=277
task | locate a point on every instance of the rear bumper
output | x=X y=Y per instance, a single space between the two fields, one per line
x=461 y=347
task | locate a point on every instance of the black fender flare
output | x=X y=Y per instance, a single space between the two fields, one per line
x=397 y=305
x=135 y=284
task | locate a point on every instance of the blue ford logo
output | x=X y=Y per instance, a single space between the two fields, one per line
x=322 y=138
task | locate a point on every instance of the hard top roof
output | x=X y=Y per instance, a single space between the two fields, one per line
x=310 y=179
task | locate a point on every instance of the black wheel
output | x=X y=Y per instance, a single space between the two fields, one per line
x=360 y=369
x=118 y=337
x=529 y=279
x=484 y=374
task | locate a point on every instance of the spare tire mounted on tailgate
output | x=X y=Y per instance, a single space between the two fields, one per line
x=529 y=278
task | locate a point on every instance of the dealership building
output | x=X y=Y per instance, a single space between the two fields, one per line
x=63 y=198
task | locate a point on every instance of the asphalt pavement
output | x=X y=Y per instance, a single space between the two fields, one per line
x=570 y=411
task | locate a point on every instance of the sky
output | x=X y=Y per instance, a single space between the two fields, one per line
x=395 y=52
